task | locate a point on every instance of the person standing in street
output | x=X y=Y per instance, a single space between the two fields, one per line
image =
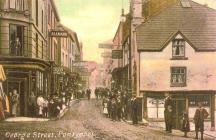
x=32 y=104
x=119 y=109
x=14 y=102
x=169 y=119
x=185 y=124
x=40 y=103
x=113 y=109
x=200 y=115
x=134 y=105
x=109 y=106
x=88 y=93
x=168 y=102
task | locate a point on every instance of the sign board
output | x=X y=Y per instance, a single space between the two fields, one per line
x=80 y=64
x=58 y=70
x=106 y=54
x=105 y=46
x=58 y=34
x=117 y=54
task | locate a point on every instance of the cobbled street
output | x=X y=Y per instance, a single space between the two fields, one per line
x=83 y=121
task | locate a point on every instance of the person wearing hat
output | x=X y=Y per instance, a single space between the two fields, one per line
x=167 y=103
x=134 y=105
x=200 y=115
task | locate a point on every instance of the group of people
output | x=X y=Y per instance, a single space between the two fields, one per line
x=82 y=94
x=118 y=106
x=51 y=106
x=200 y=115
x=9 y=104
x=37 y=105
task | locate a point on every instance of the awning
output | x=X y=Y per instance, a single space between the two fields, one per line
x=2 y=74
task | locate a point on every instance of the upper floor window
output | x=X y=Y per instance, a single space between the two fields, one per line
x=16 y=37
x=178 y=76
x=17 y=4
x=178 y=48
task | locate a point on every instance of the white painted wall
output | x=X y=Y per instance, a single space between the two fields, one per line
x=155 y=70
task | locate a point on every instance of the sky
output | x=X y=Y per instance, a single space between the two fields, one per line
x=96 y=21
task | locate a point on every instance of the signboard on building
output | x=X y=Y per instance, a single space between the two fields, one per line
x=58 y=70
x=117 y=54
x=80 y=64
x=105 y=46
x=106 y=54
x=58 y=34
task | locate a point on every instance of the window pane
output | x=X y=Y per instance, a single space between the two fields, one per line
x=178 y=48
x=12 y=4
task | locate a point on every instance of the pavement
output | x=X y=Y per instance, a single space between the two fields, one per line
x=30 y=119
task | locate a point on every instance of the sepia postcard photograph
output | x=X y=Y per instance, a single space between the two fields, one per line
x=107 y=69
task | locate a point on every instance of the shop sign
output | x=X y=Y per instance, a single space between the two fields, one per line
x=194 y=100
x=105 y=46
x=117 y=54
x=80 y=64
x=58 y=34
x=58 y=70
x=106 y=54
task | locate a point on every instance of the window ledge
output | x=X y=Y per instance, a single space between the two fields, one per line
x=178 y=85
x=179 y=58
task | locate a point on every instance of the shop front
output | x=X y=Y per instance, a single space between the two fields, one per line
x=26 y=79
x=183 y=101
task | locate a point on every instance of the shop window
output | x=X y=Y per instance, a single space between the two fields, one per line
x=178 y=48
x=178 y=76
x=155 y=108
x=36 y=6
x=194 y=100
x=16 y=38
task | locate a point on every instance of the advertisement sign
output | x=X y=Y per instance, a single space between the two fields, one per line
x=58 y=34
x=117 y=54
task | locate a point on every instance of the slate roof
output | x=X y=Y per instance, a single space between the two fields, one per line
x=197 y=24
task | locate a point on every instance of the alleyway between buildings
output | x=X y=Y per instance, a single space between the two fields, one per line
x=84 y=121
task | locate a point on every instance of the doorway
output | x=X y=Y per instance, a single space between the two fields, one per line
x=20 y=86
x=179 y=109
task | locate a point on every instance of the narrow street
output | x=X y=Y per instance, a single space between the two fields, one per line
x=83 y=121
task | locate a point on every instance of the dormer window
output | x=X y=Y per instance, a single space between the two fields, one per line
x=178 y=48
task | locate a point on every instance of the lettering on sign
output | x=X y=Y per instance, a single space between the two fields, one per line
x=117 y=54
x=58 y=70
x=58 y=34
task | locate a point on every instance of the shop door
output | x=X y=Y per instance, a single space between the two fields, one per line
x=179 y=109
x=20 y=86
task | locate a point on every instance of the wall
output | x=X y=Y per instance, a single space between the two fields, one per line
x=155 y=70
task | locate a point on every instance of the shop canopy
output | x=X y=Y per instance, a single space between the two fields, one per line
x=2 y=74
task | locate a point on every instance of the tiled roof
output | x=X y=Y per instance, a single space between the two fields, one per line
x=197 y=24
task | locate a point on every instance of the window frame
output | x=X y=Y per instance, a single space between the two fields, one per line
x=173 y=44
x=184 y=83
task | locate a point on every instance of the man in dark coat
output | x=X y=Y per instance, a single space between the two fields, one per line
x=113 y=109
x=199 y=117
x=168 y=102
x=134 y=105
x=88 y=92
x=119 y=109
x=169 y=119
